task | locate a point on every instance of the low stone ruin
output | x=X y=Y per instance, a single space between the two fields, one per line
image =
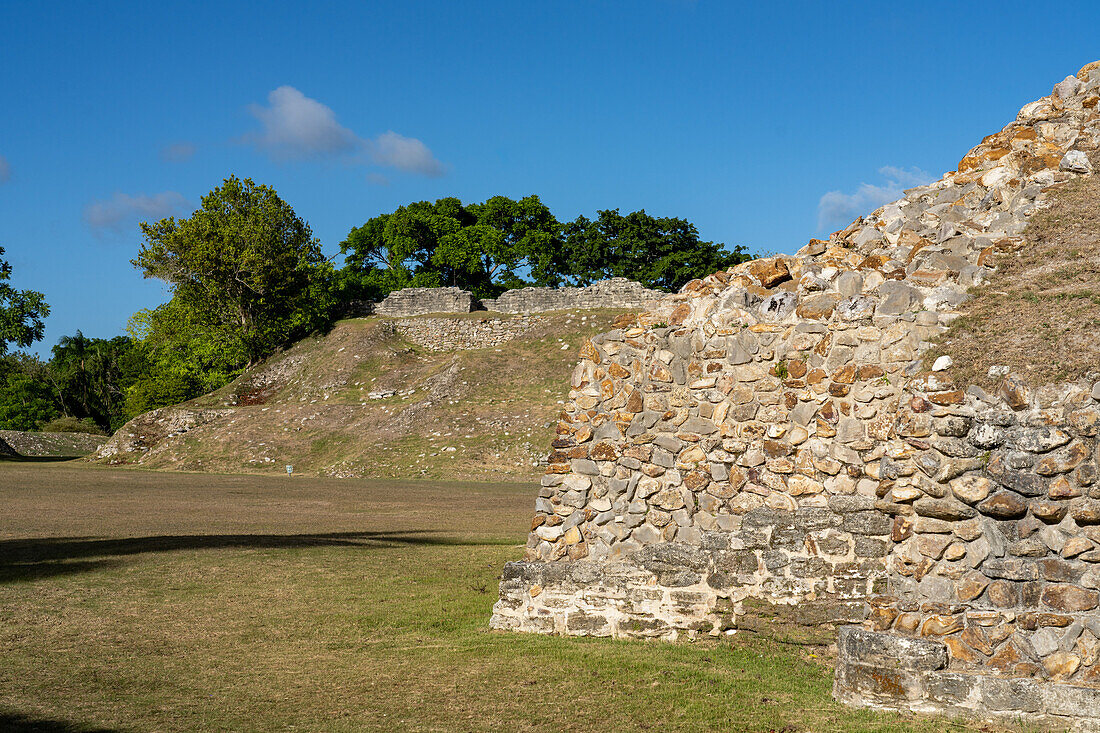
x=772 y=433
x=460 y=334
x=615 y=292
x=421 y=301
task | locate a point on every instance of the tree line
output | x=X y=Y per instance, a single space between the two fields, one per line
x=248 y=277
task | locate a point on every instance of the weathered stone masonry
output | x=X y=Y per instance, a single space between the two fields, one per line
x=771 y=433
x=615 y=292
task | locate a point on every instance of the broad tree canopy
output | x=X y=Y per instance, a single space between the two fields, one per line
x=244 y=265
x=506 y=243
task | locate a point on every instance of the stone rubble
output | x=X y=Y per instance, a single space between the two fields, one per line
x=770 y=432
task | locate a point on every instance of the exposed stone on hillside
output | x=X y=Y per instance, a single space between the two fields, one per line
x=35 y=444
x=152 y=428
x=771 y=432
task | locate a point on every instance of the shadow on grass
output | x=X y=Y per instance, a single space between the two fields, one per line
x=19 y=723
x=40 y=558
x=15 y=572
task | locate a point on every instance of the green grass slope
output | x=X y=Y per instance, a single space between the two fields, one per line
x=475 y=414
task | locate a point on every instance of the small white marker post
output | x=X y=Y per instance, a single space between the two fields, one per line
x=289 y=469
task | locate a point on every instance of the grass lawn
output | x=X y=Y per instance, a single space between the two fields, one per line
x=140 y=601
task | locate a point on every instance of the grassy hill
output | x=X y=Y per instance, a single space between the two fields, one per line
x=366 y=401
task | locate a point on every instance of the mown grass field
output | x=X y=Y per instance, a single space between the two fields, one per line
x=141 y=601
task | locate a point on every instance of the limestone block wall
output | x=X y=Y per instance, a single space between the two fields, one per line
x=616 y=292
x=421 y=301
x=725 y=451
x=996 y=558
x=912 y=673
x=450 y=334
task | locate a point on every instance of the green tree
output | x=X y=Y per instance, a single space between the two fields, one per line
x=183 y=357
x=91 y=377
x=505 y=238
x=21 y=311
x=661 y=253
x=396 y=250
x=484 y=248
x=27 y=400
x=506 y=243
x=243 y=265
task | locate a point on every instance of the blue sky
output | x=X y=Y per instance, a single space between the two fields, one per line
x=764 y=123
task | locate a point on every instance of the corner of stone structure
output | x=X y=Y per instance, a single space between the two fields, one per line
x=769 y=439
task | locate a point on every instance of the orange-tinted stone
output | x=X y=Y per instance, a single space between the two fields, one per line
x=958 y=650
x=1070 y=598
x=679 y=314
x=870 y=371
x=589 y=351
x=769 y=271
x=618 y=371
x=954 y=397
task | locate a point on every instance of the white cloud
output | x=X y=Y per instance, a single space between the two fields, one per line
x=836 y=208
x=377 y=179
x=294 y=126
x=122 y=210
x=5 y=170
x=404 y=153
x=178 y=152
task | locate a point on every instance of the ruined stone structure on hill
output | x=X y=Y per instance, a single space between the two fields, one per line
x=772 y=433
x=421 y=301
x=615 y=292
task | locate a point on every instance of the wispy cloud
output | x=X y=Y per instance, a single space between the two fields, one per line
x=296 y=127
x=178 y=152
x=123 y=210
x=377 y=179
x=5 y=170
x=837 y=208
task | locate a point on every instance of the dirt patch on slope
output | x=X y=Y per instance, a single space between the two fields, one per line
x=1039 y=315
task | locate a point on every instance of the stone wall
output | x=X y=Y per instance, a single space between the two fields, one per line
x=913 y=674
x=996 y=556
x=773 y=433
x=421 y=301
x=616 y=292
x=451 y=334
x=718 y=459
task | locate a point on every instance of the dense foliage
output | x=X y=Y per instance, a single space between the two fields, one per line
x=502 y=243
x=21 y=311
x=87 y=379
